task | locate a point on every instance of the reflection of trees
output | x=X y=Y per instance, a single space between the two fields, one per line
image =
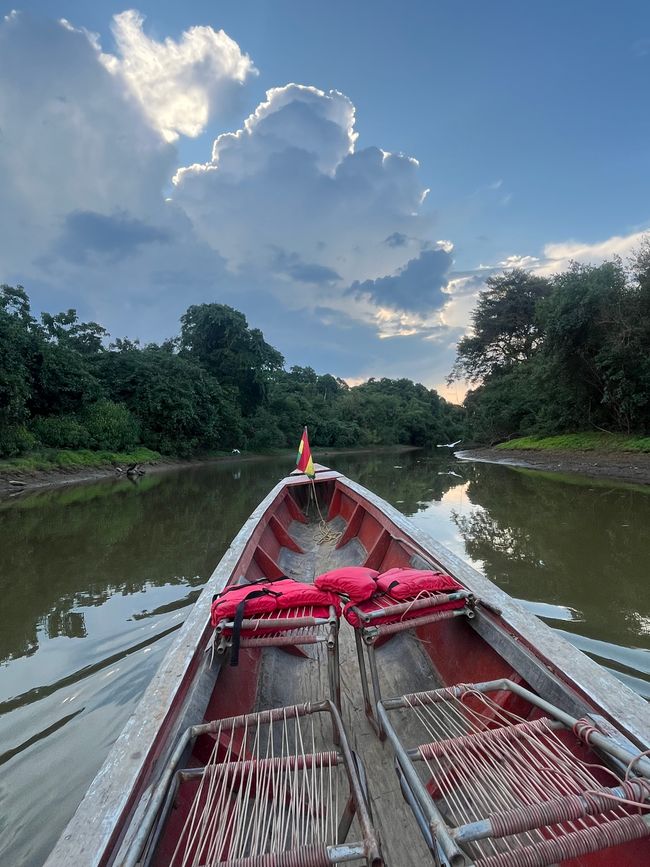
x=76 y=547
x=574 y=544
x=412 y=487
x=482 y=531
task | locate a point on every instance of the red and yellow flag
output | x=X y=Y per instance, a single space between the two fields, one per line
x=304 y=462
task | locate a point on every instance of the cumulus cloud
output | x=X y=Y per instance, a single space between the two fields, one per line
x=178 y=84
x=72 y=140
x=110 y=238
x=286 y=220
x=291 y=179
x=417 y=286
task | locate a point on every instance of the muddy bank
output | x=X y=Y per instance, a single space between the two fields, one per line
x=35 y=479
x=623 y=466
x=28 y=480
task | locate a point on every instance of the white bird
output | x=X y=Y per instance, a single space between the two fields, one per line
x=235 y=452
x=448 y=445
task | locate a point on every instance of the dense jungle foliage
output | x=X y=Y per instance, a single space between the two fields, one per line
x=218 y=385
x=567 y=353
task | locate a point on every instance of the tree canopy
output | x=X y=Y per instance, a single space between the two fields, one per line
x=568 y=353
x=215 y=386
x=506 y=328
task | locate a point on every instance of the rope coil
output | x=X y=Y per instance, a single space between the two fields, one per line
x=324 y=534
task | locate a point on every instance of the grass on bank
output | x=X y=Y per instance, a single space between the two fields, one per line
x=74 y=459
x=79 y=459
x=584 y=442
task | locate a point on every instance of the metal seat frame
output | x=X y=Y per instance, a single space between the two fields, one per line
x=284 y=630
x=404 y=616
x=446 y=842
x=367 y=850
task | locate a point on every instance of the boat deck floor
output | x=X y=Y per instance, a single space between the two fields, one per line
x=404 y=667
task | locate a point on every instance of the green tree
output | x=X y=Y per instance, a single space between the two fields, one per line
x=66 y=330
x=592 y=322
x=180 y=407
x=505 y=323
x=218 y=337
x=18 y=342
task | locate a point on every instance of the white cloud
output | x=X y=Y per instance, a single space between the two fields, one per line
x=178 y=84
x=326 y=247
x=519 y=262
x=558 y=256
x=290 y=180
x=286 y=203
x=72 y=140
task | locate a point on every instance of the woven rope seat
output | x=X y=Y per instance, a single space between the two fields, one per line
x=276 y=791
x=491 y=788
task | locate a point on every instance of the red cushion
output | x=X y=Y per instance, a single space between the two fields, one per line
x=355 y=582
x=405 y=584
x=225 y=604
x=263 y=597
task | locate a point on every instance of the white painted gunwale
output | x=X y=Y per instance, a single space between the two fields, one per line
x=87 y=835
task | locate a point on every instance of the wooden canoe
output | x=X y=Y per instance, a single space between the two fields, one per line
x=498 y=645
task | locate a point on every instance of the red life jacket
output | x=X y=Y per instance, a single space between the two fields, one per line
x=265 y=596
x=258 y=596
x=404 y=584
x=355 y=582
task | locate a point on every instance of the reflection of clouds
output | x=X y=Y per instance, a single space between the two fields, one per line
x=457 y=495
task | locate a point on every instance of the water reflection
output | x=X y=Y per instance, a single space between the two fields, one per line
x=68 y=549
x=577 y=545
x=95 y=579
x=412 y=485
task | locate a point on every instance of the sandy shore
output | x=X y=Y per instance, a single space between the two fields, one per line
x=624 y=466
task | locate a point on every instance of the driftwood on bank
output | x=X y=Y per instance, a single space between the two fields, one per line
x=131 y=471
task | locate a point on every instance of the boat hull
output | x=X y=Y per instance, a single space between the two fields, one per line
x=501 y=641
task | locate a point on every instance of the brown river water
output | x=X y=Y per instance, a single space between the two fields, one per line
x=95 y=578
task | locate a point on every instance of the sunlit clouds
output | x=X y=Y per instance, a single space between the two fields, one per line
x=178 y=84
x=333 y=248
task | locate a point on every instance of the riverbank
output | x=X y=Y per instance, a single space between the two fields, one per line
x=623 y=466
x=72 y=467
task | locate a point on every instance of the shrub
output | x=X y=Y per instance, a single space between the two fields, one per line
x=110 y=426
x=61 y=432
x=15 y=440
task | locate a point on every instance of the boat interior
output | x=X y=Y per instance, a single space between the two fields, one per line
x=450 y=744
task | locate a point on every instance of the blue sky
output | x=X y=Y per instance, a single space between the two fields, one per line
x=529 y=122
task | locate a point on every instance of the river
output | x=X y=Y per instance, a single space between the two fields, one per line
x=95 y=578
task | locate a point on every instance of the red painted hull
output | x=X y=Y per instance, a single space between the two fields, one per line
x=508 y=645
